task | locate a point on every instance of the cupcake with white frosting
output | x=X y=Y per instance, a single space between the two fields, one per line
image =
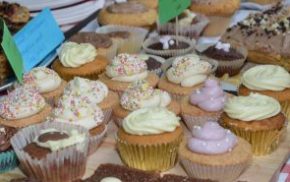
x=93 y=92
x=214 y=153
x=256 y=118
x=124 y=70
x=22 y=107
x=270 y=80
x=79 y=59
x=47 y=82
x=141 y=95
x=186 y=74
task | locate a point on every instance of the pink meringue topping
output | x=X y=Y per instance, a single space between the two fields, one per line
x=211 y=139
x=210 y=98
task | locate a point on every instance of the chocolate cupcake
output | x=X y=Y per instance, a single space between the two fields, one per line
x=154 y=63
x=231 y=57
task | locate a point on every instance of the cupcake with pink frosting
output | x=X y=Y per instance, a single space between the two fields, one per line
x=203 y=104
x=214 y=153
x=124 y=70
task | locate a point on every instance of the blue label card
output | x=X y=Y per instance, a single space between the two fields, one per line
x=38 y=38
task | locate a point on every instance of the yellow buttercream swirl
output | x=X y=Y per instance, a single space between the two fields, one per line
x=266 y=77
x=252 y=107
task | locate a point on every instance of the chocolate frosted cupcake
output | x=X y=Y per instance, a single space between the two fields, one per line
x=154 y=63
x=168 y=46
x=230 y=57
x=52 y=151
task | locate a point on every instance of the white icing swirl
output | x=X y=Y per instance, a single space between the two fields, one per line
x=252 y=107
x=73 y=55
x=266 y=77
x=188 y=71
x=44 y=79
x=127 y=68
x=21 y=103
x=140 y=95
x=150 y=121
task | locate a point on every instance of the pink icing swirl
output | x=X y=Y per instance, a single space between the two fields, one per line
x=210 y=98
x=211 y=139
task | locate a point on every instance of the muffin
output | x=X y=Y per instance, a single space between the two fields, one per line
x=205 y=104
x=140 y=95
x=153 y=134
x=8 y=159
x=190 y=25
x=22 y=107
x=168 y=46
x=93 y=92
x=154 y=63
x=270 y=80
x=128 y=13
x=186 y=74
x=81 y=111
x=79 y=60
x=52 y=151
x=125 y=69
x=103 y=43
x=230 y=57
x=149 y=3
x=47 y=82
x=214 y=153
x=127 y=39
x=219 y=13
x=256 y=118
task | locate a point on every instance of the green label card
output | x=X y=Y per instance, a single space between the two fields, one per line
x=169 y=9
x=11 y=51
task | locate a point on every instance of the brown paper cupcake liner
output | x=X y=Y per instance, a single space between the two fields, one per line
x=155 y=157
x=225 y=173
x=95 y=141
x=168 y=52
x=63 y=165
x=191 y=120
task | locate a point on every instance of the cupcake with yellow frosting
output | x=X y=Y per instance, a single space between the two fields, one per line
x=153 y=134
x=270 y=80
x=141 y=95
x=125 y=69
x=256 y=118
x=186 y=74
x=79 y=60
x=47 y=82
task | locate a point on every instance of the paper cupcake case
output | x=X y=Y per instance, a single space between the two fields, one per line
x=156 y=157
x=131 y=45
x=107 y=115
x=168 y=52
x=285 y=105
x=109 y=53
x=95 y=141
x=191 y=120
x=60 y=166
x=118 y=121
x=8 y=161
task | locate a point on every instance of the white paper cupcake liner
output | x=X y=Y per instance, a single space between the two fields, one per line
x=191 y=120
x=131 y=45
x=95 y=141
x=63 y=165
x=168 y=52
x=107 y=115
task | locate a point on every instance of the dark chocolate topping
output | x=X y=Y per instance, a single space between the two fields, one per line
x=119 y=34
x=127 y=8
x=153 y=64
x=159 y=46
x=52 y=136
x=176 y=178
x=220 y=54
x=5 y=135
x=98 y=40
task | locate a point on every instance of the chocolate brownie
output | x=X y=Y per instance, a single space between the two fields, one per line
x=220 y=54
x=176 y=178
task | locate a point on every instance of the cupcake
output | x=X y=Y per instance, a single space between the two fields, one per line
x=125 y=69
x=186 y=74
x=256 y=118
x=205 y=104
x=93 y=92
x=22 y=107
x=230 y=57
x=154 y=63
x=219 y=13
x=8 y=159
x=270 y=80
x=190 y=25
x=47 y=82
x=141 y=95
x=79 y=60
x=149 y=3
x=214 y=153
x=103 y=43
x=153 y=134
x=52 y=151
x=168 y=46
x=127 y=39
x=128 y=13
x=81 y=111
